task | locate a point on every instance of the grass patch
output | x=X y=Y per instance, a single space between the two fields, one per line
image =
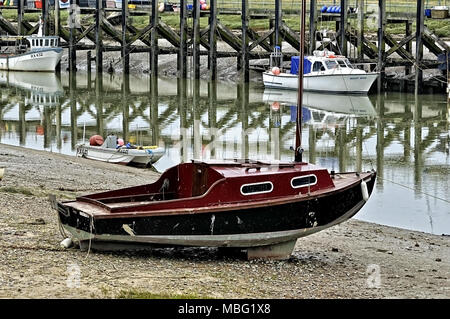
x=16 y=190
x=141 y=294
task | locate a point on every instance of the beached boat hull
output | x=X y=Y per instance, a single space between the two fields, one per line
x=120 y=156
x=266 y=224
x=44 y=60
x=337 y=83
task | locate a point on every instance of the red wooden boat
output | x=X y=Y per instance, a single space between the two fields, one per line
x=263 y=207
x=227 y=204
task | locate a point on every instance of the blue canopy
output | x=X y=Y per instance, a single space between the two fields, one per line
x=295 y=63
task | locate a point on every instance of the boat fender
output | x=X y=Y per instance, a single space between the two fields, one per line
x=276 y=70
x=66 y=243
x=364 y=191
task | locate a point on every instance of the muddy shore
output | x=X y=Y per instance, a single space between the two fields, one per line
x=353 y=260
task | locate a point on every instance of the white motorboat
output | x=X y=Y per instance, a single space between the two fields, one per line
x=32 y=53
x=110 y=151
x=325 y=72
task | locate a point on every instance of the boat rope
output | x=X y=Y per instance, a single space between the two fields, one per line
x=416 y=190
x=91 y=221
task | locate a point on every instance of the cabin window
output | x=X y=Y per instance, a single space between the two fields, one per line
x=316 y=66
x=256 y=188
x=331 y=64
x=302 y=181
x=348 y=64
x=46 y=42
x=342 y=63
x=41 y=42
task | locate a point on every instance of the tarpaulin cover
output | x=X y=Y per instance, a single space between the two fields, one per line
x=294 y=65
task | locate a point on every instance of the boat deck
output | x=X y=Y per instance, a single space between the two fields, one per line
x=105 y=207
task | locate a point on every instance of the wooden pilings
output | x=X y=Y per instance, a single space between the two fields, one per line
x=154 y=39
x=312 y=26
x=212 y=56
x=98 y=38
x=419 y=46
x=192 y=41
x=125 y=54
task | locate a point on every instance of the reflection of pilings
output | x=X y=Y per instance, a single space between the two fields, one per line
x=58 y=126
x=418 y=141
x=197 y=116
x=125 y=106
x=47 y=126
x=154 y=109
x=312 y=145
x=380 y=140
x=212 y=115
x=182 y=96
x=359 y=144
x=406 y=131
x=22 y=123
x=99 y=103
x=73 y=109
x=341 y=144
x=244 y=99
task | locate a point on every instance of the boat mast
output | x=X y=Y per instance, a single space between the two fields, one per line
x=298 y=131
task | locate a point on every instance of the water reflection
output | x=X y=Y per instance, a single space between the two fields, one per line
x=405 y=138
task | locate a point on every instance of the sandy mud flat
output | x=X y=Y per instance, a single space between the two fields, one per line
x=352 y=260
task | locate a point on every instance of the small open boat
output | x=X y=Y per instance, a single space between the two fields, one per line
x=2 y=172
x=258 y=206
x=325 y=72
x=111 y=152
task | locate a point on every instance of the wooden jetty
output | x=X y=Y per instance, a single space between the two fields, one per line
x=112 y=30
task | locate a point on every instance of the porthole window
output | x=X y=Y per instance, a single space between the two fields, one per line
x=256 y=188
x=302 y=181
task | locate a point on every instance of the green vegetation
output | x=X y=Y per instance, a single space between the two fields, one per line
x=405 y=8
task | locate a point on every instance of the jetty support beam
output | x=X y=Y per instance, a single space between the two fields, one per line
x=419 y=47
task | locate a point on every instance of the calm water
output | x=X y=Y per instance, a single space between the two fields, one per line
x=406 y=139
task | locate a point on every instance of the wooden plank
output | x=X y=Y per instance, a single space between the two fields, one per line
x=400 y=44
x=290 y=36
x=419 y=47
x=125 y=54
x=229 y=37
x=261 y=40
x=435 y=38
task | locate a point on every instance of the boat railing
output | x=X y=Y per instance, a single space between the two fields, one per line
x=368 y=67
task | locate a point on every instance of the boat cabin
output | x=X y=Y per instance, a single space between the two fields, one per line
x=321 y=61
x=44 y=42
x=198 y=185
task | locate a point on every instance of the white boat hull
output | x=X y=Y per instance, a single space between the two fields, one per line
x=120 y=156
x=337 y=83
x=44 y=60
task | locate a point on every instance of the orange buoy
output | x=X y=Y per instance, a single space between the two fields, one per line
x=96 y=140
x=276 y=70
